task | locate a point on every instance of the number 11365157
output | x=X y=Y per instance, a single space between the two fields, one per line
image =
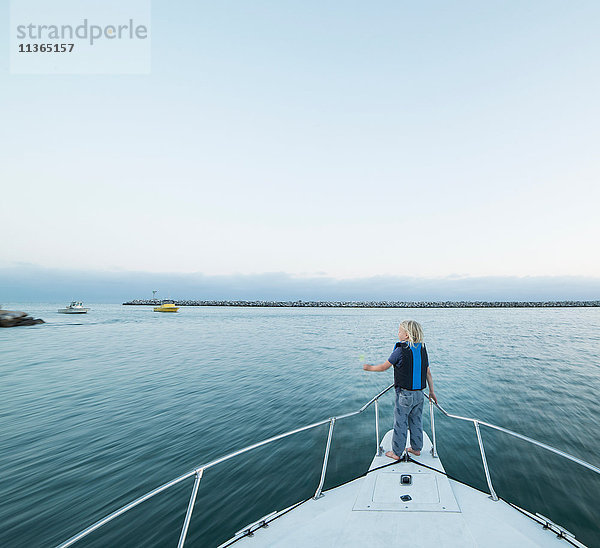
x=46 y=48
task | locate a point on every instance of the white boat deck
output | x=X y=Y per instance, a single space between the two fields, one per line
x=369 y=512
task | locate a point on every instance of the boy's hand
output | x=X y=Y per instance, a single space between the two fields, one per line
x=432 y=396
x=381 y=367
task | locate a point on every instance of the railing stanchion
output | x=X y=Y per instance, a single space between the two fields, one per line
x=188 y=515
x=318 y=492
x=432 y=419
x=379 y=451
x=493 y=495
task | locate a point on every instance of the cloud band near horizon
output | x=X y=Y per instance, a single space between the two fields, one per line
x=28 y=283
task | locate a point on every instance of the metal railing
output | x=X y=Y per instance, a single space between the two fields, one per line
x=198 y=472
x=477 y=423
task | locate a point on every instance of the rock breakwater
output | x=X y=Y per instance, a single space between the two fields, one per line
x=375 y=304
x=14 y=318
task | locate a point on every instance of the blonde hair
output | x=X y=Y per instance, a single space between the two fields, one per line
x=414 y=330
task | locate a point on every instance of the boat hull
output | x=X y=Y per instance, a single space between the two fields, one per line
x=371 y=511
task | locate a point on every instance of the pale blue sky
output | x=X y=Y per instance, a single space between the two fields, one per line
x=349 y=139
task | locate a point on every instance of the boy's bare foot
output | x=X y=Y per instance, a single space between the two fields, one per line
x=411 y=450
x=392 y=455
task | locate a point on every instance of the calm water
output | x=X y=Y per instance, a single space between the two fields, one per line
x=95 y=410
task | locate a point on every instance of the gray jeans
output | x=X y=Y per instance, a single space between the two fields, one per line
x=408 y=413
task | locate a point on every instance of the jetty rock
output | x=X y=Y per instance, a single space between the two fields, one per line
x=13 y=318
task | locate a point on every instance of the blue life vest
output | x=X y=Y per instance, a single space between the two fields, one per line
x=411 y=370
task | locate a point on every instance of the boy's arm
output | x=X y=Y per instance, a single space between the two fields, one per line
x=381 y=367
x=430 y=383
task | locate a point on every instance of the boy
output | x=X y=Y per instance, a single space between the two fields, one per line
x=411 y=372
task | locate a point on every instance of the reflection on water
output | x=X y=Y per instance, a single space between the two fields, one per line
x=95 y=413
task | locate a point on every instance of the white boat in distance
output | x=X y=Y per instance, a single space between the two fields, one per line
x=76 y=307
x=395 y=503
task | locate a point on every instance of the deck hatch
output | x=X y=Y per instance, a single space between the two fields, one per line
x=389 y=488
x=428 y=491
